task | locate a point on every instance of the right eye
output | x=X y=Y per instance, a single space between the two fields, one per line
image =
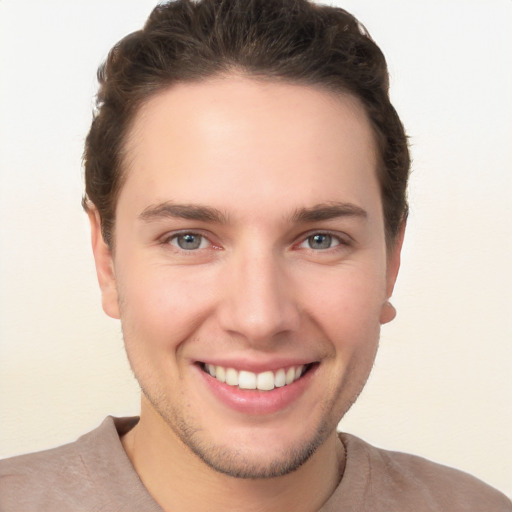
x=188 y=241
x=321 y=241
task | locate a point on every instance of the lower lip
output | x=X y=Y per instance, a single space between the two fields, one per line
x=253 y=401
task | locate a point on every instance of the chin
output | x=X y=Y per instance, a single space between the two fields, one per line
x=253 y=460
x=251 y=452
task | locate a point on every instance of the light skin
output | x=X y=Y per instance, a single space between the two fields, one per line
x=249 y=234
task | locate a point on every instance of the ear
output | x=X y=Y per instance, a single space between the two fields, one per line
x=104 y=267
x=388 y=311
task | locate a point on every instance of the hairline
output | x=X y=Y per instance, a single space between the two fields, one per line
x=233 y=71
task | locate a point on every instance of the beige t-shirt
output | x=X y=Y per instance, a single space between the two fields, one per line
x=95 y=474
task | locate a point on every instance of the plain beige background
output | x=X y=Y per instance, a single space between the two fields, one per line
x=442 y=384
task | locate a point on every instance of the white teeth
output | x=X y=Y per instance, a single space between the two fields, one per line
x=280 y=379
x=220 y=373
x=246 y=380
x=264 y=381
x=290 y=376
x=231 y=377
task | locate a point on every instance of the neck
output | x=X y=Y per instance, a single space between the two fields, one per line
x=179 y=481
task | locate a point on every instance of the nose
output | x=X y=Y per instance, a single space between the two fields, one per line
x=258 y=300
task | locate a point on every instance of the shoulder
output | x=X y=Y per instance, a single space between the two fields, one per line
x=28 y=479
x=65 y=478
x=406 y=482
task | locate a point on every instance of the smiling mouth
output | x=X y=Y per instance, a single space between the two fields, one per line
x=264 y=381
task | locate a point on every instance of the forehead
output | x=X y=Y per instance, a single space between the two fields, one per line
x=204 y=142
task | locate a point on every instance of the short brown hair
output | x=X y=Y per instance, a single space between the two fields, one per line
x=291 y=40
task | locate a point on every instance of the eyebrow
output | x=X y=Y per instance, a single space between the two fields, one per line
x=182 y=211
x=328 y=211
x=316 y=213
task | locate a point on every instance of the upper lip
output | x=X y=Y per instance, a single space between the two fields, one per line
x=257 y=366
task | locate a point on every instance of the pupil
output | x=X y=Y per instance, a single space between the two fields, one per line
x=189 y=241
x=320 y=241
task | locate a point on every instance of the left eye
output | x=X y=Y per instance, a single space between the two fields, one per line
x=189 y=241
x=320 y=241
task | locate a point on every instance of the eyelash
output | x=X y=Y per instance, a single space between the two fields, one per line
x=342 y=242
x=175 y=236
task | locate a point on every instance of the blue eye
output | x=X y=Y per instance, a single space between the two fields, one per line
x=189 y=241
x=320 y=241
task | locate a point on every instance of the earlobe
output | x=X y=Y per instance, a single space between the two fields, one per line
x=388 y=311
x=104 y=267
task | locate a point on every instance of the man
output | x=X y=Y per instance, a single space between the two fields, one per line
x=245 y=183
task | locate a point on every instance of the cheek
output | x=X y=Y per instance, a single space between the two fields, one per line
x=161 y=307
x=348 y=303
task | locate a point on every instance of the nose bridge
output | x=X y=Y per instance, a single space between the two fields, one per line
x=259 y=302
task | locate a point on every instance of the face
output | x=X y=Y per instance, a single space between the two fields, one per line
x=250 y=269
